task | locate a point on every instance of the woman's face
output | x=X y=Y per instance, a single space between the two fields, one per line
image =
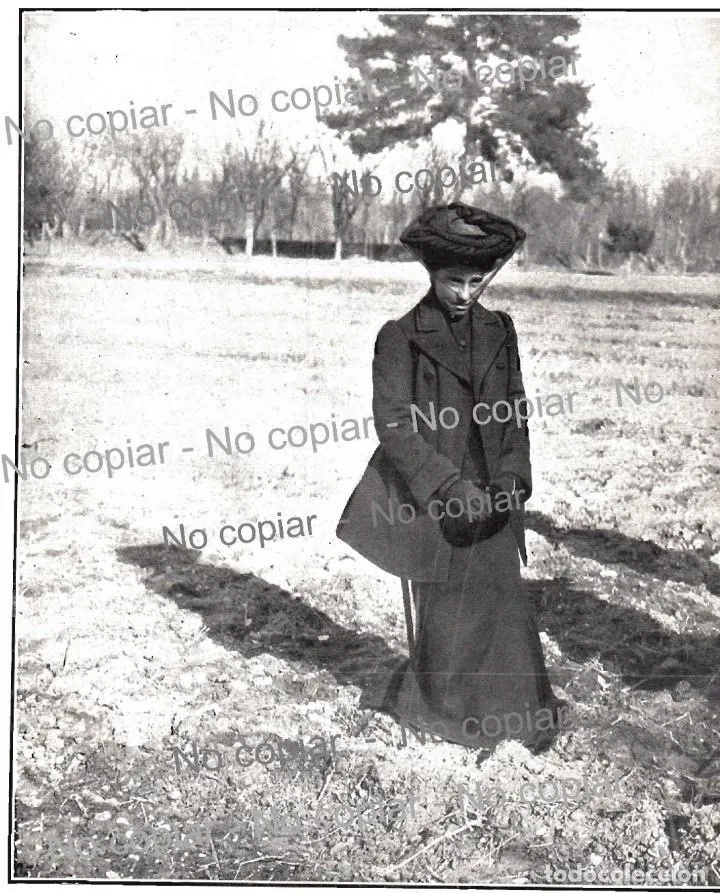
x=458 y=288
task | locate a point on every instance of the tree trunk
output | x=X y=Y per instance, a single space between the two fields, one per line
x=366 y=227
x=292 y=216
x=682 y=249
x=273 y=232
x=168 y=229
x=46 y=236
x=338 y=246
x=249 y=230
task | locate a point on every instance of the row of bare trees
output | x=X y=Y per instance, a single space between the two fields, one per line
x=260 y=184
x=268 y=188
x=265 y=188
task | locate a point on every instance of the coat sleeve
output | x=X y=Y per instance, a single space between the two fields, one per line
x=515 y=448
x=421 y=466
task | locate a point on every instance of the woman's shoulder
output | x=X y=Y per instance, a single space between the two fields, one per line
x=391 y=336
x=505 y=319
x=406 y=322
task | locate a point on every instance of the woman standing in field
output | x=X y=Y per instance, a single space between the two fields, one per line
x=452 y=469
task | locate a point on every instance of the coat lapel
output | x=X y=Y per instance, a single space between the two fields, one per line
x=488 y=336
x=433 y=337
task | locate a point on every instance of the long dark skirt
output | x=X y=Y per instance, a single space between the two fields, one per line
x=478 y=675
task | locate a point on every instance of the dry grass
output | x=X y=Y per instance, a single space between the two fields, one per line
x=126 y=647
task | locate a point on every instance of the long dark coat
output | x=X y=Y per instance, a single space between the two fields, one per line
x=417 y=361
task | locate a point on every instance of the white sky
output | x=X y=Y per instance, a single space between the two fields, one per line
x=655 y=95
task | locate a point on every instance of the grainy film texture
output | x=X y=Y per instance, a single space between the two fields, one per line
x=212 y=207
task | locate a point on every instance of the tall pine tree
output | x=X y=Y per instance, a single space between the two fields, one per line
x=534 y=124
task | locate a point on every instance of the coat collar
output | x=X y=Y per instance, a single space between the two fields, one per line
x=434 y=338
x=429 y=316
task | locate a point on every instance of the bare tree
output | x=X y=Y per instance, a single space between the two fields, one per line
x=154 y=159
x=252 y=174
x=345 y=204
x=348 y=193
x=688 y=221
x=297 y=182
x=56 y=186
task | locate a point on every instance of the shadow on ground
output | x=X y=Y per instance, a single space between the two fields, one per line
x=643 y=556
x=245 y=613
x=643 y=653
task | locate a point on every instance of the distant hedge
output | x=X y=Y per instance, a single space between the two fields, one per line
x=322 y=250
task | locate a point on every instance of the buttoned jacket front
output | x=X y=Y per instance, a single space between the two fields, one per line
x=419 y=364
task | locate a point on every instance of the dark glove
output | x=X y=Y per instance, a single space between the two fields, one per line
x=470 y=497
x=479 y=519
x=511 y=484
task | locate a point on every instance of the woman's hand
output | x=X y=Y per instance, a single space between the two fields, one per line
x=478 y=518
x=475 y=503
x=511 y=484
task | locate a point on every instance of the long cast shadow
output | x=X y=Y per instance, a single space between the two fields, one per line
x=245 y=613
x=628 y=642
x=644 y=556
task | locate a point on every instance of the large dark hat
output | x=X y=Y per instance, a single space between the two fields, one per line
x=460 y=235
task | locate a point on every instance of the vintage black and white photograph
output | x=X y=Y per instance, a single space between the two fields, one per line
x=366 y=468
